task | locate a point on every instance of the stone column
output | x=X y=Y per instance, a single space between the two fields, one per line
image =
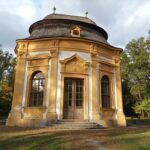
x=95 y=104
x=51 y=115
x=121 y=121
x=15 y=113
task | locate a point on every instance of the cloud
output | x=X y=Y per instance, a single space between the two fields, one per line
x=123 y=20
x=132 y=23
x=12 y=28
x=16 y=17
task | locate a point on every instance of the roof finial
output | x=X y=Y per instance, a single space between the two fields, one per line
x=86 y=13
x=54 y=9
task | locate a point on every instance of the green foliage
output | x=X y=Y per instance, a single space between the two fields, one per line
x=7 y=73
x=5 y=63
x=143 y=107
x=135 y=71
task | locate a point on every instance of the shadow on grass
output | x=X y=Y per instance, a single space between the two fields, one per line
x=43 y=139
x=46 y=141
x=32 y=142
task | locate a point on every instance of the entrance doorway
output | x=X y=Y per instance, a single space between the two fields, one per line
x=73 y=98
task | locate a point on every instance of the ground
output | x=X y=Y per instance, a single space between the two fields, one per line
x=129 y=138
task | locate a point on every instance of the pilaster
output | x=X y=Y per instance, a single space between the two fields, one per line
x=121 y=121
x=51 y=115
x=95 y=104
x=15 y=113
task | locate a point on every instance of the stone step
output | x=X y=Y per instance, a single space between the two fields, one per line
x=75 y=125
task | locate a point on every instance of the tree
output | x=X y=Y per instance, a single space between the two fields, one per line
x=135 y=71
x=7 y=73
x=143 y=107
x=5 y=62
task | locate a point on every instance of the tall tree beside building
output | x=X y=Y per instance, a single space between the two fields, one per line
x=7 y=72
x=135 y=70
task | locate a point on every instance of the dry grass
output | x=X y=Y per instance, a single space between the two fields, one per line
x=14 y=138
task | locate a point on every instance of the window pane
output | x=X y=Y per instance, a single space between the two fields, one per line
x=105 y=92
x=37 y=89
x=79 y=93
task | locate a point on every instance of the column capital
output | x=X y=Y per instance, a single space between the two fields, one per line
x=93 y=50
x=21 y=49
x=54 y=53
x=118 y=61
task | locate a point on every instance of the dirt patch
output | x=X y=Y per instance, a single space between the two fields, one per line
x=93 y=139
x=98 y=145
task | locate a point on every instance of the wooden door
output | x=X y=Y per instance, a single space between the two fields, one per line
x=73 y=98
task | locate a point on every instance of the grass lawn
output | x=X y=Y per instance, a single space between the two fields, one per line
x=132 y=141
x=131 y=138
x=137 y=121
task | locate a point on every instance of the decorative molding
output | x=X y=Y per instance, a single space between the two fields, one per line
x=21 y=49
x=117 y=61
x=105 y=60
x=106 y=68
x=38 y=57
x=54 y=53
x=39 y=53
x=93 y=50
x=54 y=43
x=22 y=46
x=35 y=63
x=74 y=64
x=54 y=48
x=21 y=53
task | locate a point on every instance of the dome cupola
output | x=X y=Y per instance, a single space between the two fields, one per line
x=67 y=26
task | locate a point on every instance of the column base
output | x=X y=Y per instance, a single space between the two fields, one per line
x=14 y=116
x=51 y=117
x=95 y=117
x=121 y=120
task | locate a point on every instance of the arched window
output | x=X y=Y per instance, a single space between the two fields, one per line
x=105 y=91
x=37 y=89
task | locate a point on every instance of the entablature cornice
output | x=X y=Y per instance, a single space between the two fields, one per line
x=54 y=46
x=74 y=73
x=38 y=61
x=105 y=60
x=38 y=57
x=106 y=67
x=107 y=45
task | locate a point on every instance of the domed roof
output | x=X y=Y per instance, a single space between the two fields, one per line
x=61 y=26
x=69 y=17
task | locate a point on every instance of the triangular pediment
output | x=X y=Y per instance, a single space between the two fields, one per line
x=74 y=64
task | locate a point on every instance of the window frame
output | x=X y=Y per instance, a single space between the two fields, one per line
x=38 y=102
x=74 y=30
x=105 y=103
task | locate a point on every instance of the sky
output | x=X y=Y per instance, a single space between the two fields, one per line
x=123 y=20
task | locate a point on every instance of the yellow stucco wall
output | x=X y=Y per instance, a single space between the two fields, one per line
x=33 y=55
